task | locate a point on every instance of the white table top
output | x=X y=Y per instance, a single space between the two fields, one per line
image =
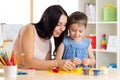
x=113 y=74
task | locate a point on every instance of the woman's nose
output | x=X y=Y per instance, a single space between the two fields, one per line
x=62 y=28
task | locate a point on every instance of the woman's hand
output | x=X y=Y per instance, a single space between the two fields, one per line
x=86 y=61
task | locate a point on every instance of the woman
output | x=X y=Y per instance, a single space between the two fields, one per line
x=34 y=40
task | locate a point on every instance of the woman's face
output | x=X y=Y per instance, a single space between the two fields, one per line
x=60 y=26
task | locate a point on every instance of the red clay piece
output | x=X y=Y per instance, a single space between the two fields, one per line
x=56 y=69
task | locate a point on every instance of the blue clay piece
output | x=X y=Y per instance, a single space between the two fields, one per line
x=96 y=72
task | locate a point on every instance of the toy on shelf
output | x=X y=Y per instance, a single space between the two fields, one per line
x=104 y=44
x=93 y=40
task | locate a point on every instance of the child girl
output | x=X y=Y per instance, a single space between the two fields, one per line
x=75 y=45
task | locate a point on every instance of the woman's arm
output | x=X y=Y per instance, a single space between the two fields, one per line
x=27 y=46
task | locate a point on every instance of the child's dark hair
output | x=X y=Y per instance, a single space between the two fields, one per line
x=49 y=21
x=78 y=17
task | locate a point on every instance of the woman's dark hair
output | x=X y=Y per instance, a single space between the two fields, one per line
x=78 y=17
x=49 y=21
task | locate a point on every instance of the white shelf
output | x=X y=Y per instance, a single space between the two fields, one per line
x=112 y=22
x=107 y=51
x=99 y=27
x=91 y=22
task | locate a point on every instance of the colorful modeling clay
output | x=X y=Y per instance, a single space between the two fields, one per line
x=56 y=69
x=96 y=72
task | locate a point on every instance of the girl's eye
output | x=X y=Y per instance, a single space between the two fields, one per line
x=73 y=30
x=80 y=31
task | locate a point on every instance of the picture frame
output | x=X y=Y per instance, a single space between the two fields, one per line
x=112 y=43
x=1 y=36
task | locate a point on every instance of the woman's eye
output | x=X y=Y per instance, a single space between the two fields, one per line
x=58 y=25
x=64 y=25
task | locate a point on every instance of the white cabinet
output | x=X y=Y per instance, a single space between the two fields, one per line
x=15 y=11
x=99 y=27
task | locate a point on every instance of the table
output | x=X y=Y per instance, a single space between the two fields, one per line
x=113 y=74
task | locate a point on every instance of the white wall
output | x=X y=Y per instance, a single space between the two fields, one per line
x=15 y=11
x=41 y=5
x=18 y=11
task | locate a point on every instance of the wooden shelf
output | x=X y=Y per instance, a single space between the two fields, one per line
x=1 y=46
x=8 y=40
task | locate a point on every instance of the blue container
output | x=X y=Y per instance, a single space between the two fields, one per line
x=96 y=72
x=113 y=65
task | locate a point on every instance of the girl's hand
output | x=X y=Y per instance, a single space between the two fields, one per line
x=67 y=65
x=86 y=61
x=76 y=61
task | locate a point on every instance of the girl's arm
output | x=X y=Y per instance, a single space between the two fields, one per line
x=60 y=51
x=91 y=56
x=91 y=59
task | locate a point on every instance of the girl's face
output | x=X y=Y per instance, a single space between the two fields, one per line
x=60 y=26
x=76 y=31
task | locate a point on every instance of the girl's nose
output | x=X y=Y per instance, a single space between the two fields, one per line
x=77 y=33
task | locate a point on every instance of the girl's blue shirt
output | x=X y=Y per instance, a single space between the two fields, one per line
x=76 y=49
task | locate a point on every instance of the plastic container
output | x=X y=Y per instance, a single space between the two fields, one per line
x=86 y=71
x=10 y=71
x=104 y=71
x=113 y=65
x=96 y=72
x=110 y=14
